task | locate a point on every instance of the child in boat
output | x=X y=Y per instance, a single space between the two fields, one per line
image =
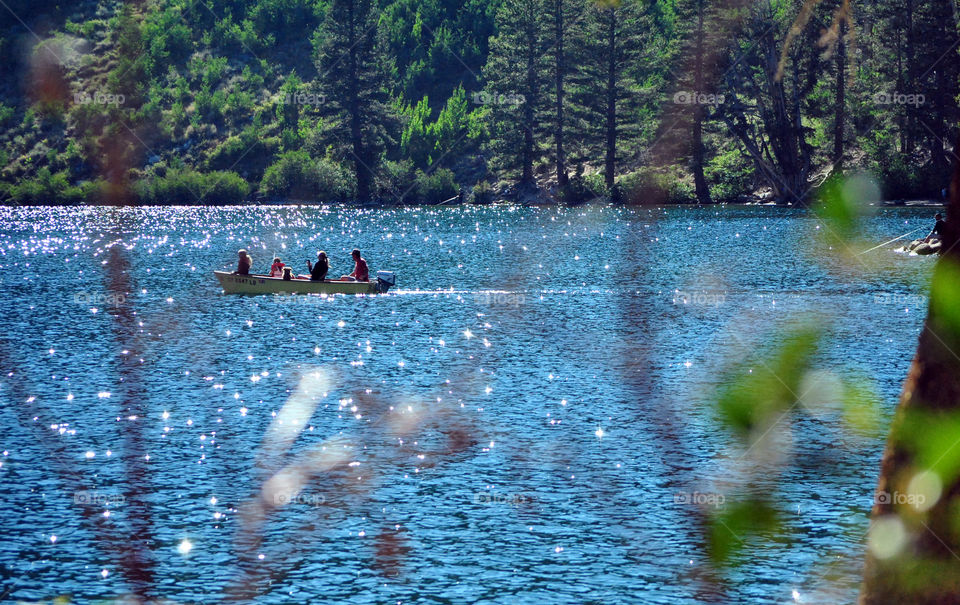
x=276 y=269
x=318 y=272
x=287 y=274
x=243 y=263
x=360 y=272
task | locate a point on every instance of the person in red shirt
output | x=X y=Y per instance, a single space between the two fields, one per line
x=276 y=269
x=360 y=271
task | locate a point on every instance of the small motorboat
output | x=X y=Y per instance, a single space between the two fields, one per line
x=922 y=247
x=233 y=283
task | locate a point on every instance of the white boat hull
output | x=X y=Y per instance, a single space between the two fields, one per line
x=233 y=283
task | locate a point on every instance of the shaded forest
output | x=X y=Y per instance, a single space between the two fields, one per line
x=396 y=101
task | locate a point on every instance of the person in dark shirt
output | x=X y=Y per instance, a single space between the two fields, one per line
x=938 y=227
x=243 y=263
x=318 y=272
x=360 y=271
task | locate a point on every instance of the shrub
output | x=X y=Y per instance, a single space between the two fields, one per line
x=482 y=193
x=45 y=188
x=396 y=177
x=436 y=187
x=297 y=176
x=647 y=186
x=186 y=186
x=6 y=112
x=247 y=152
x=730 y=174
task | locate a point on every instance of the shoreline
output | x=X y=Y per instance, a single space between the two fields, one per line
x=917 y=203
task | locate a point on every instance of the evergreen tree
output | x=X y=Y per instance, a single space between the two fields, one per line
x=563 y=30
x=516 y=73
x=608 y=79
x=354 y=72
x=765 y=98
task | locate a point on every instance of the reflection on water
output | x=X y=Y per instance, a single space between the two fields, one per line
x=525 y=417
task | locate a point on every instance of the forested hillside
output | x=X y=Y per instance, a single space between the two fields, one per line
x=187 y=101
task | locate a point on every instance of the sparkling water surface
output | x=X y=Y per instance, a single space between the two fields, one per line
x=512 y=423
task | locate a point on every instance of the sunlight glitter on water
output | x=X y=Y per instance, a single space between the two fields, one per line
x=507 y=314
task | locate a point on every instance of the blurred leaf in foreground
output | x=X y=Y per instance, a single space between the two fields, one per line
x=756 y=393
x=733 y=524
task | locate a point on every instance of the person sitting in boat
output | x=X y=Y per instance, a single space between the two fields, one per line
x=287 y=274
x=243 y=263
x=276 y=269
x=938 y=227
x=360 y=271
x=318 y=272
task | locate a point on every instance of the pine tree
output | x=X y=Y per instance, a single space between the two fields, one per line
x=608 y=78
x=354 y=72
x=516 y=72
x=765 y=98
x=563 y=30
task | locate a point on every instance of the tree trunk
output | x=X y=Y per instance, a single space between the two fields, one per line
x=699 y=180
x=840 y=104
x=360 y=161
x=560 y=69
x=610 y=163
x=526 y=176
x=925 y=569
x=911 y=83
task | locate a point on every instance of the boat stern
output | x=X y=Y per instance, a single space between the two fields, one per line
x=385 y=281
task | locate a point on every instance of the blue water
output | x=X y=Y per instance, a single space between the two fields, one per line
x=512 y=423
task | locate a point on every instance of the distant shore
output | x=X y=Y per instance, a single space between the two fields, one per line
x=921 y=203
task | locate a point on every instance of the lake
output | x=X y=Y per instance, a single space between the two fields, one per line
x=527 y=417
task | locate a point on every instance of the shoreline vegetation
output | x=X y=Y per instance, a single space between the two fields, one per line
x=525 y=101
x=530 y=202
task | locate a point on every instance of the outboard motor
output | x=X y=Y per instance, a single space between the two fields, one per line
x=385 y=280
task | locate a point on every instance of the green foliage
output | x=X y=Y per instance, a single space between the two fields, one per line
x=355 y=91
x=732 y=523
x=482 y=193
x=516 y=76
x=730 y=174
x=932 y=439
x=186 y=186
x=6 y=113
x=287 y=18
x=297 y=176
x=166 y=37
x=648 y=186
x=46 y=188
x=200 y=71
x=435 y=187
x=755 y=393
x=250 y=150
x=232 y=37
